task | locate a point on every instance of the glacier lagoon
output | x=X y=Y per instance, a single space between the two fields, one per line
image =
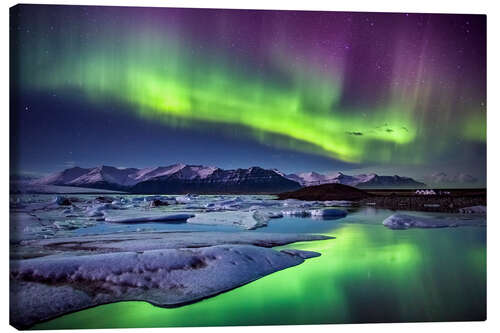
x=368 y=273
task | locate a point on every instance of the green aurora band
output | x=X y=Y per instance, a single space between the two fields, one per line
x=159 y=77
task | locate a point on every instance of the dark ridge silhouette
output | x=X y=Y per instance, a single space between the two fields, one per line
x=326 y=192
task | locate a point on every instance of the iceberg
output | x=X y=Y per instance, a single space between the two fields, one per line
x=246 y=220
x=329 y=212
x=473 y=210
x=296 y=212
x=403 y=221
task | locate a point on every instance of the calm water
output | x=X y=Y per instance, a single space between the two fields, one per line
x=367 y=274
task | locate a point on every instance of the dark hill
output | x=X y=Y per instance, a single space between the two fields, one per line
x=326 y=192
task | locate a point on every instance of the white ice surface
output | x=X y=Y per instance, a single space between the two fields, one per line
x=473 y=210
x=151 y=218
x=122 y=242
x=50 y=219
x=403 y=221
x=329 y=212
x=246 y=220
x=43 y=288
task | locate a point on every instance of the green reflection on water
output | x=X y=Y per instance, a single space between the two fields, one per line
x=367 y=274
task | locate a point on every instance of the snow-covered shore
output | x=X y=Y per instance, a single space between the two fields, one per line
x=165 y=269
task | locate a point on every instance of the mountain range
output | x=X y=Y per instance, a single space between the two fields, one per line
x=177 y=178
x=182 y=178
x=371 y=180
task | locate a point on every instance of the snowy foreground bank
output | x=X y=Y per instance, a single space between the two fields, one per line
x=43 y=288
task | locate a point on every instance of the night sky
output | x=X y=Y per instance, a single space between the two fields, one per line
x=294 y=90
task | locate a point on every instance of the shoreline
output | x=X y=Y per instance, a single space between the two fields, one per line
x=443 y=204
x=445 y=201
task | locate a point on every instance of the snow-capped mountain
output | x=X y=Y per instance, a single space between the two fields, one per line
x=177 y=178
x=183 y=178
x=105 y=175
x=62 y=177
x=216 y=180
x=362 y=180
x=310 y=177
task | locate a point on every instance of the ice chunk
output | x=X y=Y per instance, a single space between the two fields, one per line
x=230 y=204
x=402 y=221
x=62 y=201
x=73 y=224
x=274 y=215
x=98 y=210
x=473 y=210
x=185 y=198
x=151 y=218
x=124 y=242
x=102 y=199
x=296 y=212
x=338 y=203
x=158 y=203
x=329 y=212
x=247 y=220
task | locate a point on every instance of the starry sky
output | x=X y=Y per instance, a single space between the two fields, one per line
x=397 y=93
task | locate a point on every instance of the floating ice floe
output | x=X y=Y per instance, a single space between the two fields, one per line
x=246 y=220
x=185 y=198
x=103 y=199
x=338 y=203
x=151 y=218
x=329 y=212
x=245 y=211
x=274 y=215
x=71 y=211
x=403 y=221
x=473 y=210
x=230 y=204
x=73 y=224
x=125 y=242
x=99 y=209
x=61 y=201
x=296 y=212
x=168 y=199
x=158 y=203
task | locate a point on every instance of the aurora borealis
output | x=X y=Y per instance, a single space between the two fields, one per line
x=333 y=90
